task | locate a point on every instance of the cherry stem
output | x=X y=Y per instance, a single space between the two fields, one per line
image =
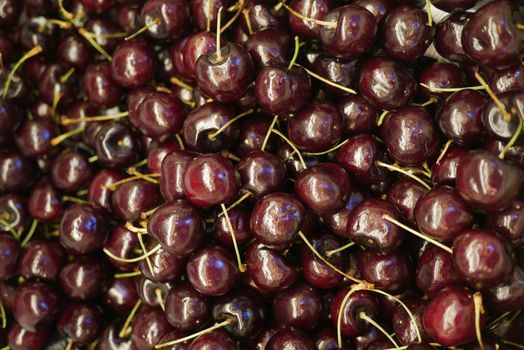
x=140 y=163
x=418 y=234
x=479 y=310
x=59 y=23
x=505 y=114
x=30 y=234
x=241 y=266
x=292 y=146
x=129 y=319
x=61 y=138
x=235 y=16
x=217 y=37
x=129 y=226
x=145 y=214
x=66 y=14
x=146 y=177
x=394 y=167
x=92 y=159
x=132 y=260
x=307 y=19
x=64 y=78
x=195 y=335
x=69 y=345
x=381 y=118
x=127 y=274
x=266 y=138
x=518 y=346
x=325 y=261
x=327 y=81
x=295 y=53
x=368 y=319
x=180 y=83
x=513 y=139
x=437 y=89
x=520 y=26
x=334 y=148
x=33 y=52
x=428 y=10
x=74 y=200
x=341 y=311
x=444 y=151
x=90 y=38
x=163 y=89
x=10 y=228
x=160 y=298
x=237 y=202
x=428 y=102
x=3 y=315
x=245 y=12
x=212 y=136
x=144 y=250
x=330 y=253
x=154 y=22
x=98 y=118
x=180 y=141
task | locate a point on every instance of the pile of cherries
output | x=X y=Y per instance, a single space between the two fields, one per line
x=261 y=175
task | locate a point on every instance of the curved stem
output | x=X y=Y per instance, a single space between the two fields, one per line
x=235 y=16
x=241 y=266
x=212 y=136
x=195 y=335
x=307 y=19
x=330 y=253
x=295 y=53
x=155 y=22
x=402 y=171
x=516 y=345
x=365 y=317
x=33 y=52
x=69 y=344
x=479 y=310
x=341 y=311
x=266 y=138
x=129 y=226
x=144 y=249
x=444 y=151
x=123 y=331
x=418 y=234
x=505 y=114
x=132 y=260
x=327 y=81
x=89 y=37
x=66 y=14
x=10 y=228
x=292 y=146
x=513 y=139
x=334 y=148
x=180 y=141
x=30 y=233
x=160 y=298
x=61 y=138
x=520 y=26
x=3 y=315
x=146 y=177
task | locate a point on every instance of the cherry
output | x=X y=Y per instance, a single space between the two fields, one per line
x=197 y=44
x=379 y=8
x=205 y=12
x=507 y=80
x=164 y=266
x=172 y=172
x=121 y=243
x=51 y=84
x=338 y=71
x=268 y=268
x=276 y=219
x=9 y=251
x=299 y=306
x=494 y=47
x=152 y=293
x=448 y=37
x=202 y=122
x=326 y=339
x=36 y=305
x=150 y=325
x=110 y=339
x=99 y=86
x=41 y=259
x=98 y=191
x=392 y=272
x=487 y=182
x=225 y=74
x=404 y=327
x=239 y=218
x=132 y=63
x=337 y=222
x=442 y=213
x=186 y=309
x=209 y=180
x=83 y=278
x=97 y=6
x=171 y=16
x=44 y=204
x=449 y=317
x=387 y=83
x=351 y=322
x=10 y=116
x=352 y=31
x=16 y=171
x=253 y=131
x=441 y=75
x=404 y=195
x=116 y=145
x=80 y=321
x=508 y=223
x=358 y=115
x=444 y=171
x=261 y=16
x=19 y=338
x=496 y=122
x=127 y=15
x=513 y=154
x=106 y=33
x=121 y=295
x=261 y=172
x=132 y=198
x=34 y=137
x=366 y=225
x=263 y=338
x=507 y=296
x=315 y=9
x=70 y=171
x=269 y=47
x=214 y=340
x=212 y=271
x=157 y=151
x=83 y=229
x=482 y=258
x=282 y=91
x=435 y=271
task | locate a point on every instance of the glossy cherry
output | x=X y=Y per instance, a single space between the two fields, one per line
x=448 y=37
x=149 y=326
x=33 y=137
x=42 y=259
x=165 y=266
x=299 y=306
x=269 y=47
x=70 y=171
x=116 y=145
x=392 y=272
x=435 y=271
x=36 y=305
x=19 y=338
x=172 y=17
x=83 y=229
x=132 y=63
x=9 y=252
x=361 y=301
x=358 y=115
x=186 y=309
x=121 y=295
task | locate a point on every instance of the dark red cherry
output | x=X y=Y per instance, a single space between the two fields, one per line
x=270 y=47
x=157 y=151
x=13 y=213
x=360 y=301
x=171 y=14
x=448 y=37
x=78 y=109
x=122 y=243
x=314 y=9
x=52 y=85
x=494 y=46
x=282 y=91
x=225 y=75
x=404 y=195
x=75 y=50
x=106 y=32
x=165 y=266
x=9 y=253
x=132 y=198
x=197 y=44
x=172 y=172
x=378 y=8
x=149 y=327
x=33 y=137
x=97 y=6
x=98 y=192
x=392 y=272
x=487 y=182
x=84 y=278
x=442 y=75
x=116 y=145
x=10 y=116
x=323 y=188
x=337 y=222
x=253 y=131
x=16 y=171
x=44 y=204
x=212 y=271
x=268 y=268
x=152 y=293
x=110 y=338
x=401 y=42
x=482 y=258
x=435 y=271
x=315 y=271
x=19 y=338
x=509 y=223
x=444 y=171
x=358 y=115
x=366 y=225
x=36 y=305
x=509 y=295
x=261 y=172
x=83 y=229
x=210 y=180
x=186 y=309
x=299 y=306
x=239 y=218
x=261 y=16
x=326 y=339
x=276 y=219
x=507 y=80
x=316 y=128
x=205 y=12
x=203 y=121
x=99 y=86
x=459 y=118
x=80 y=322
x=387 y=83
x=410 y=135
x=132 y=63
x=290 y=339
x=449 y=317
x=494 y=121
x=38 y=31
x=441 y=213
x=215 y=340
x=352 y=32
x=42 y=259
x=405 y=328
x=70 y=171
x=121 y=295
